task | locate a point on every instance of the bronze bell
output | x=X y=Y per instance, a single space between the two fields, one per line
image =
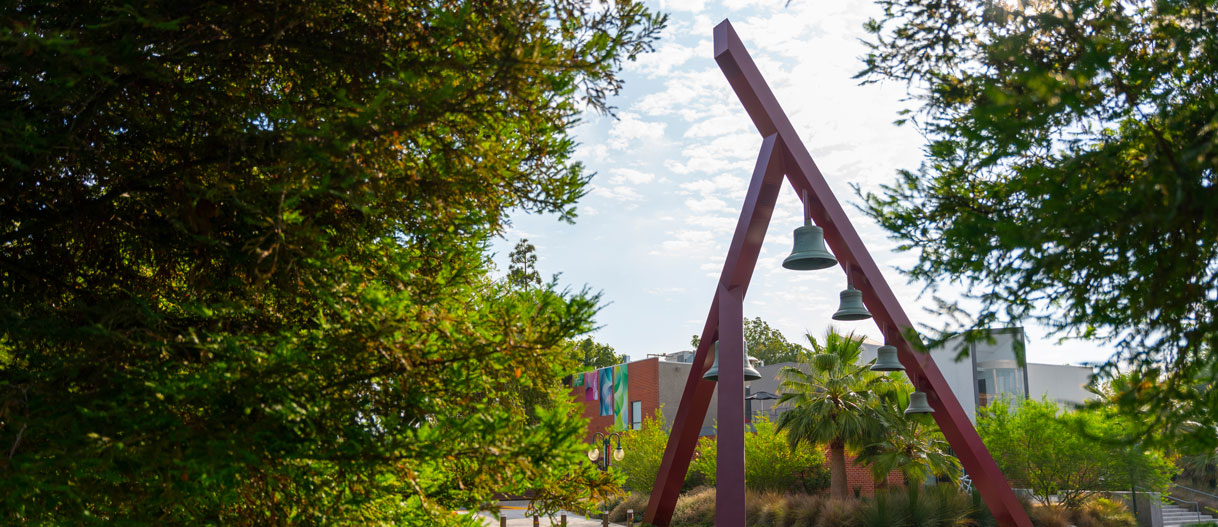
x=886 y=359
x=750 y=373
x=809 y=252
x=918 y=404
x=851 y=307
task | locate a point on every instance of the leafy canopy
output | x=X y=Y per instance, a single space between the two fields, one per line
x=1068 y=454
x=242 y=270
x=766 y=343
x=1069 y=174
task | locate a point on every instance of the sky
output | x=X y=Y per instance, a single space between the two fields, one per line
x=673 y=166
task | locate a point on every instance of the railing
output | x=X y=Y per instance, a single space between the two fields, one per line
x=1207 y=497
x=1196 y=506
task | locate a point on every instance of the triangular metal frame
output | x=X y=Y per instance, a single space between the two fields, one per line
x=783 y=153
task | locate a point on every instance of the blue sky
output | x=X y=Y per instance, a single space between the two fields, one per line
x=673 y=167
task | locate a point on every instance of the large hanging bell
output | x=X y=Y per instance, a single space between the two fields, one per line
x=809 y=252
x=851 y=307
x=750 y=373
x=918 y=404
x=886 y=360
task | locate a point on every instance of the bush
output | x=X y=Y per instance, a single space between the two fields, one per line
x=772 y=465
x=803 y=510
x=644 y=451
x=635 y=501
x=1049 y=516
x=695 y=509
x=838 y=513
x=1103 y=512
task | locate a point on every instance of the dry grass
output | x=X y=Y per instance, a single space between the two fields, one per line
x=695 y=508
x=1049 y=516
x=635 y=501
x=1103 y=512
x=837 y=513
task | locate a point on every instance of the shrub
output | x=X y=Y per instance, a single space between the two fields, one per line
x=837 y=513
x=644 y=451
x=772 y=464
x=879 y=512
x=803 y=510
x=1049 y=516
x=1103 y=512
x=635 y=501
x=695 y=509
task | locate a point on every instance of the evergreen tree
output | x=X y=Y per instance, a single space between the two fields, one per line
x=242 y=269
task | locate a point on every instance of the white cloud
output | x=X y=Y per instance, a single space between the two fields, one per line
x=630 y=128
x=663 y=60
x=616 y=192
x=622 y=176
x=690 y=6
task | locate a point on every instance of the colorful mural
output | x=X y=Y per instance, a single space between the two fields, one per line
x=590 y=386
x=606 y=390
x=621 y=408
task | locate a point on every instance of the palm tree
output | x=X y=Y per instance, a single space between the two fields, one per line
x=834 y=402
x=911 y=444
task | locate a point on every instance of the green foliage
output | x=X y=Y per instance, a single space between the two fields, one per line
x=772 y=464
x=594 y=355
x=835 y=402
x=1103 y=512
x=644 y=451
x=911 y=444
x=702 y=467
x=1070 y=175
x=765 y=343
x=242 y=270
x=1069 y=454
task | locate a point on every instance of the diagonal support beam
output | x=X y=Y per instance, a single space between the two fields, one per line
x=783 y=152
x=729 y=296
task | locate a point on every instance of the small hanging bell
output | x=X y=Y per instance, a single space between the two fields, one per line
x=851 y=307
x=918 y=404
x=886 y=359
x=809 y=252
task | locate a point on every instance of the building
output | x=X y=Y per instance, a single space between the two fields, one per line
x=993 y=369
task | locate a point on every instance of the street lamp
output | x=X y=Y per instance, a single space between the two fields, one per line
x=595 y=453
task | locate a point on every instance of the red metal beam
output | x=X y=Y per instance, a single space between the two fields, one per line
x=783 y=151
x=737 y=268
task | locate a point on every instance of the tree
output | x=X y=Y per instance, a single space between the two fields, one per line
x=242 y=268
x=835 y=402
x=1070 y=172
x=522 y=266
x=594 y=355
x=1089 y=451
x=769 y=345
x=765 y=343
x=911 y=444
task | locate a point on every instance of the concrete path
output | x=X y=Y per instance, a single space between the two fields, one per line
x=515 y=513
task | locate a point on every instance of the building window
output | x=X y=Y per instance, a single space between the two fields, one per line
x=636 y=415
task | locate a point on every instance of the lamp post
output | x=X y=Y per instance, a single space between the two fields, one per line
x=594 y=454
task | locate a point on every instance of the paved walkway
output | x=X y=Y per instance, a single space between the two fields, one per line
x=572 y=521
x=515 y=513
